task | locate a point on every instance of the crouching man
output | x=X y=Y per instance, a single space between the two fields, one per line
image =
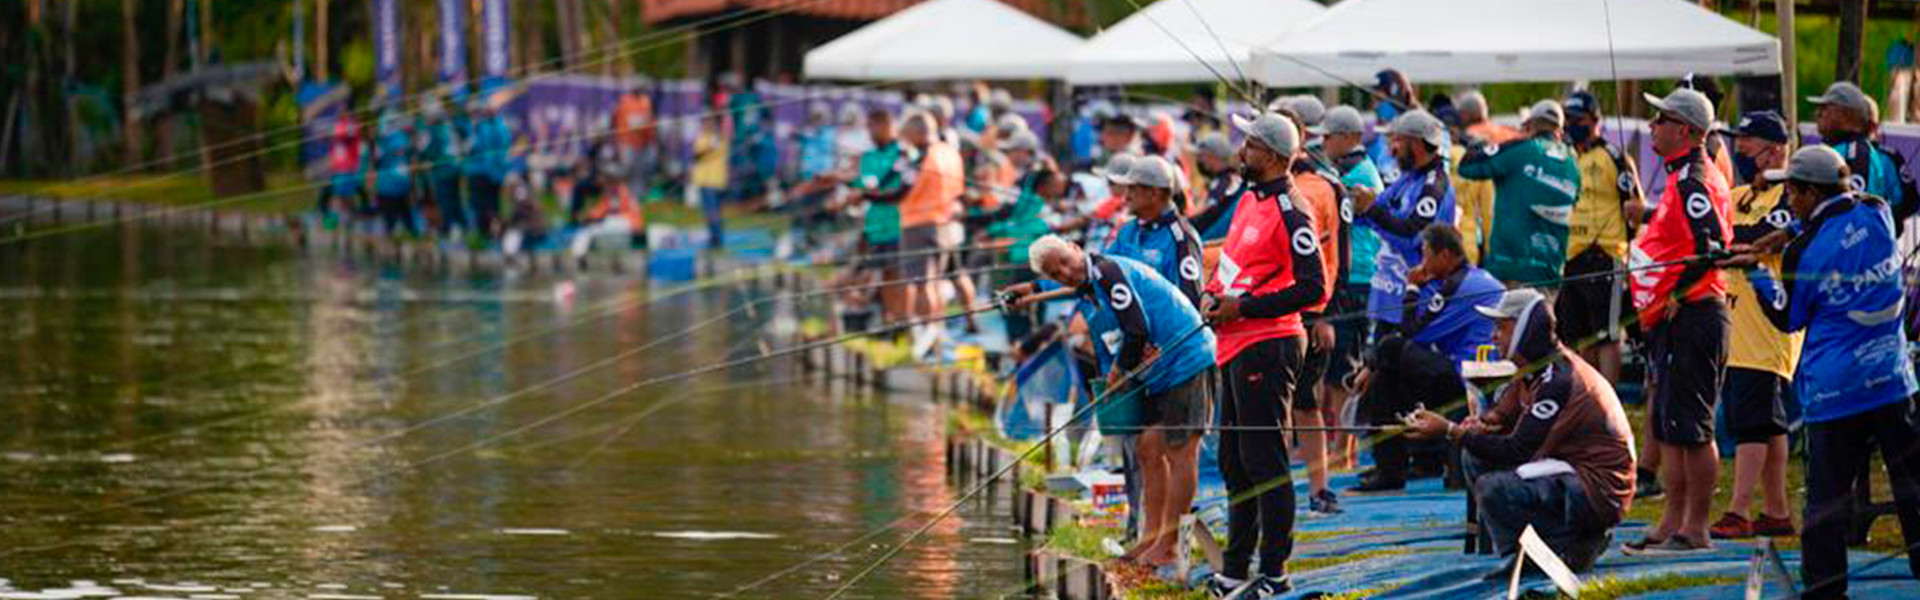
x=1132 y=315
x=1556 y=451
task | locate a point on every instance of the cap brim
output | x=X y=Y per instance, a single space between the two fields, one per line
x=1821 y=99
x=1656 y=102
x=1774 y=175
x=1242 y=124
x=1492 y=312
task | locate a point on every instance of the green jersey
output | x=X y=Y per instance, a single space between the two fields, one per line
x=883 y=176
x=1535 y=184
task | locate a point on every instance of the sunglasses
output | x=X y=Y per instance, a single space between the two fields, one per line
x=1664 y=119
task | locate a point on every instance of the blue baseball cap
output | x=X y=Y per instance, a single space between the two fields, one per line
x=1763 y=124
x=1582 y=103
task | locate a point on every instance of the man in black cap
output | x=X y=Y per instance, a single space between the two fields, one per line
x=1590 y=307
x=1119 y=134
x=1392 y=96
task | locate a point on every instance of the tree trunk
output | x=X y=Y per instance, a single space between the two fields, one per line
x=618 y=62
x=73 y=157
x=130 y=78
x=568 y=12
x=1853 y=29
x=320 y=61
x=534 y=25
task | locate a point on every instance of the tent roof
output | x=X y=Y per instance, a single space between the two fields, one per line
x=1514 y=40
x=1167 y=41
x=947 y=39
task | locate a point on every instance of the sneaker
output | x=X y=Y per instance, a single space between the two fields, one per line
x=1379 y=483
x=1731 y=527
x=1766 y=526
x=1222 y=587
x=1266 y=587
x=1584 y=552
x=1323 y=503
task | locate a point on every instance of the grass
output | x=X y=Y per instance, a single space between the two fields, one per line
x=1612 y=588
x=1161 y=590
x=1885 y=533
x=1083 y=541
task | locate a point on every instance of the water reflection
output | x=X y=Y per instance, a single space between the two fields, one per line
x=181 y=413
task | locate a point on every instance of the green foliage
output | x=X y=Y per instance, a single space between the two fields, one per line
x=1083 y=541
x=1612 y=588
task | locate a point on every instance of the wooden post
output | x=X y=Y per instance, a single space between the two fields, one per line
x=1789 y=95
x=1853 y=31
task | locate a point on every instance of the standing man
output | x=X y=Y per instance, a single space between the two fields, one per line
x=393 y=174
x=487 y=166
x=712 y=172
x=633 y=119
x=1134 y=314
x=1853 y=375
x=1535 y=184
x=933 y=195
x=1269 y=270
x=881 y=183
x=1341 y=133
x=442 y=155
x=1326 y=200
x=1224 y=186
x=1476 y=196
x=1681 y=300
x=1592 y=300
x=1760 y=358
x=1416 y=199
x=1847 y=119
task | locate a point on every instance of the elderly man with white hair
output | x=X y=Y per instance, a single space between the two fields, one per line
x=1140 y=321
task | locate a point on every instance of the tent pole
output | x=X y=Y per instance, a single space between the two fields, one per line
x=1789 y=98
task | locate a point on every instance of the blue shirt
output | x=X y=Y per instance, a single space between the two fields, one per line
x=1128 y=307
x=392 y=176
x=1877 y=172
x=1168 y=245
x=492 y=141
x=817 y=151
x=1442 y=316
x=1363 y=243
x=1414 y=201
x=1846 y=293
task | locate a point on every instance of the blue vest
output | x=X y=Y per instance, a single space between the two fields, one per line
x=1124 y=298
x=1166 y=244
x=1444 y=317
x=1407 y=198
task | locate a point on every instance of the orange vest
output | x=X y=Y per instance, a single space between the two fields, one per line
x=936 y=190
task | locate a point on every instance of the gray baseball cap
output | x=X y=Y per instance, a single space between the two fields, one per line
x=1812 y=164
x=1151 y=171
x=1342 y=119
x=1119 y=168
x=1846 y=95
x=1512 y=304
x=1215 y=144
x=1685 y=104
x=1020 y=140
x=1275 y=132
x=1471 y=102
x=1308 y=108
x=1421 y=125
x=1548 y=111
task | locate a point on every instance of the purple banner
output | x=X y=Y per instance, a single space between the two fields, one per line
x=453 y=43
x=561 y=117
x=386 y=46
x=495 y=33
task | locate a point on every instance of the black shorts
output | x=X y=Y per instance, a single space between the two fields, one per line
x=1688 y=353
x=1586 y=306
x=1351 y=332
x=1312 y=368
x=881 y=257
x=919 y=248
x=1183 y=409
x=1756 y=405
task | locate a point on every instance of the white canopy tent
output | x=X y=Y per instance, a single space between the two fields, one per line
x=1514 y=40
x=947 y=39
x=1173 y=41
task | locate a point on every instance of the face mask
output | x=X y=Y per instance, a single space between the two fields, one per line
x=1745 y=167
x=1579 y=134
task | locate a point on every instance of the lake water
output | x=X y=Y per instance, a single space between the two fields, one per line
x=182 y=416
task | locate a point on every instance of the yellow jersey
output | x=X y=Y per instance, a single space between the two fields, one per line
x=1474 y=197
x=1607 y=179
x=1754 y=343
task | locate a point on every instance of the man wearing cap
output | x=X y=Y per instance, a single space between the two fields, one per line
x=1421 y=195
x=1591 y=301
x=1224 y=186
x=1475 y=197
x=442 y=155
x=1341 y=134
x=1556 y=451
x=1269 y=270
x=1393 y=95
x=489 y=161
x=1119 y=134
x=881 y=181
x=1847 y=119
x=1680 y=298
x=1755 y=399
x=1844 y=290
x=1316 y=185
x=1535 y=183
x=1717 y=152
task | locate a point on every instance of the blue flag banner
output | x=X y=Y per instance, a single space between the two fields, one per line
x=453 y=43
x=386 y=46
x=495 y=34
